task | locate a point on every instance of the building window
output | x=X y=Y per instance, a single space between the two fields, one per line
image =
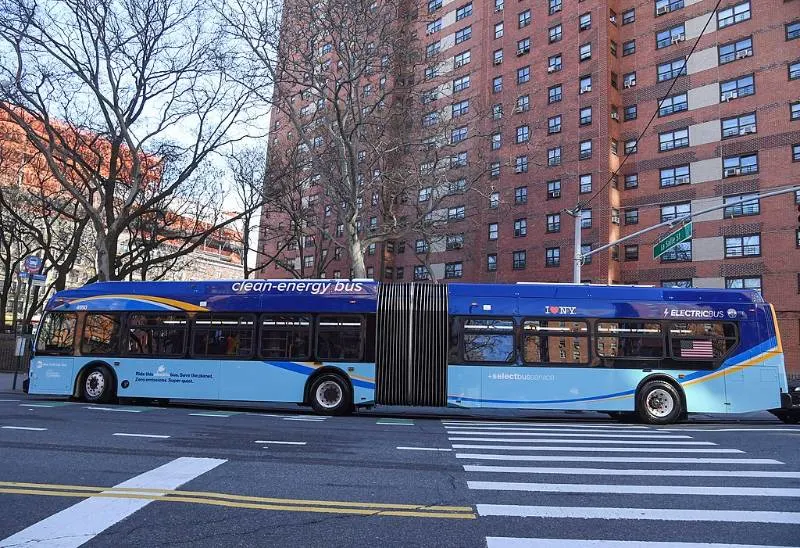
x=749 y=282
x=585 y=116
x=586 y=218
x=464 y=11
x=666 y=6
x=520 y=228
x=738 y=125
x=552 y=256
x=631 y=146
x=554 y=34
x=674 y=176
x=671 y=69
x=554 y=94
x=498 y=56
x=553 y=189
x=523 y=103
x=460 y=109
x=553 y=6
x=491 y=262
x=523 y=134
x=794 y=111
x=631 y=252
x=613 y=77
x=455 y=213
x=520 y=259
x=735 y=50
x=521 y=166
x=497 y=84
x=796 y=153
x=670 y=36
x=523 y=47
x=554 y=156
x=424 y=194
x=493 y=231
x=554 y=63
x=497 y=141
x=671 y=212
x=743 y=246
x=434 y=5
x=631 y=216
x=743 y=164
x=585 y=21
x=585 y=150
x=612 y=45
x=421 y=246
x=585 y=52
x=732 y=15
x=628 y=17
x=585 y=84
x=458 y=134
x=453 y=270
x=498 y=30
x=629 y=80
x=498 y=5
x=464 y=34
x=586 y=248
x=673 y=104
x=793 y=30
x=794 y=70
x=524 y=18
x=742 y=205
x=462 y=59
x=680 y=253
x=673 y=139
x=554 y=125
x=460 y=84
x=434 y=26
x=554 y=222
x=628 y=48
x=494 y=200
x=497 y=111
x=458 y=160
x=420 y=272
x=676 y=284
x=630 y=113
x=585 y=183
x=738 y=87
x=521 y=194
x=523 y=74
x=494 y=170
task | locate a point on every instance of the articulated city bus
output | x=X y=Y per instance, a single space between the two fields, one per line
x=339 y=344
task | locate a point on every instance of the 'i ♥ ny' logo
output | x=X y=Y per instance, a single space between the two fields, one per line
x=560 y=309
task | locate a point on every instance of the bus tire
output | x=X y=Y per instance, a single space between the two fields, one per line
x=330 y=394
x=657 y=402
x=97 y=385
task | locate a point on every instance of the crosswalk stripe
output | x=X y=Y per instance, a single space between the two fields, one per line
x=654 y=514
x=540 y=424
x=587 y=488
x=594 y=449
x=558 y=434
x=552 y=429
x=512 y=542
x=594 y=441
x=586 y=458
x=631 y=472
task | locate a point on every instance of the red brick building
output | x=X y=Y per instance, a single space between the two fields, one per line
x=567 y=88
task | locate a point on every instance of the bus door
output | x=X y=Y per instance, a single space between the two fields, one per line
x=52 y=362
x=755 y=385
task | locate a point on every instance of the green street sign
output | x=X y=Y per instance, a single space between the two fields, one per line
x=671 y=240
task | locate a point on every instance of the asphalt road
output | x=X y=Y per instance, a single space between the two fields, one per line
x=187 y=475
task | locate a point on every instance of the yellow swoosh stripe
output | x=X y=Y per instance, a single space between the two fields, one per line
x=189 y=307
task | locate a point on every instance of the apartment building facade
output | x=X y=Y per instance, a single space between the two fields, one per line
x=640 y=110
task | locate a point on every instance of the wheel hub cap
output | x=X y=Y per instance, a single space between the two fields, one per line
x=329 y=394
x=660 y=403
x=95 y=384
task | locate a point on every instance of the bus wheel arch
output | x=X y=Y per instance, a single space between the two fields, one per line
x=666 y=390
x=329 y=391
x=96 y=383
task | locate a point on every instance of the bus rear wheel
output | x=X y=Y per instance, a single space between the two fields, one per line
x=331 y=395
x=658 y=403
x=97 y=385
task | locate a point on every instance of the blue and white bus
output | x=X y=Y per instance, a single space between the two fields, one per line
x=339 y=344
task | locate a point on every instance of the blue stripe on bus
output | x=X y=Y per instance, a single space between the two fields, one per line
x=307 y=370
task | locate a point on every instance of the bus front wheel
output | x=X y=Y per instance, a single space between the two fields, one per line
x=331 y=395
x=97 y=385
x=658 y=403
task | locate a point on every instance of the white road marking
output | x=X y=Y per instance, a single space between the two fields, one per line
x=594 y=449
x=540 y=424
x=593 y=441
x=125 y=434
x=116 y=410
x=634 y=489
x=309 y=419
x=423 y=448
x=281 y=442
x=783 y=429
x=36 y=405
x=32 y=428
x=8 y=401
x=631 y=472
x=559 y=434
x=655 y=514
x=83 y=521
x=586 y=458
x=512 y=542
x=208 y=415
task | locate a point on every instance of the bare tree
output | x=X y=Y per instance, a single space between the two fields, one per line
x=126 y=101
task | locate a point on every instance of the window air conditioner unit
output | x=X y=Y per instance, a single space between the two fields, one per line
x=551 y=69
x=498 y=9
x=629 y=84
x=747 y=129
x=613 y=19
x=615 y=219
x=729 y=96
x=679 y=38
x=744 y=53
x=586 y=89
x=521 y=51
x=682 y=180
x=731 y=172
x=498 y=61
x=456 y=245
x=662 y=10
x=517 y=109
x=614 y=116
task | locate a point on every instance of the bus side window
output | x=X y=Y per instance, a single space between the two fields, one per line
x=100 y=335
x=629 y=340
x=555 y=341
x=699 y=345
x=57 y=334
x=340 y=338
x=285 y=337
x=223 y=335
x=157 y=334
x=489 y=340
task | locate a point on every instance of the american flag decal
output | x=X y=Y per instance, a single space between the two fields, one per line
x=697 y=349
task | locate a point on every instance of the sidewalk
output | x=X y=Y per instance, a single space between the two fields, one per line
x=7 y=381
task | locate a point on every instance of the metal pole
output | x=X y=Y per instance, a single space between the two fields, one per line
x=578 y=242
x=18 y=285
x=24 y=335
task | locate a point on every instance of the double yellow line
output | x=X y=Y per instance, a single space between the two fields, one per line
x=240 y=501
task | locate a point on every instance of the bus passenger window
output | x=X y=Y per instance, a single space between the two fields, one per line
x=554 y=341
x=223 y=335
x=157 y=334
x=57 y=334
x=285 y=337
x=629 y=340
x=701 y=342
x=100 y=335
x=339 y=338
x=488 y=340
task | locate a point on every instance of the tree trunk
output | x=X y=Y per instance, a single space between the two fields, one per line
x=106 y=253
x=356 y=251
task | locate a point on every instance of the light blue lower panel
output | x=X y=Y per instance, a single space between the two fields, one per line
x=52 y=375
x=181 y=379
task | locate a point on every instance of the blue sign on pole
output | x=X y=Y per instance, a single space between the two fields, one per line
x=33 y=264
